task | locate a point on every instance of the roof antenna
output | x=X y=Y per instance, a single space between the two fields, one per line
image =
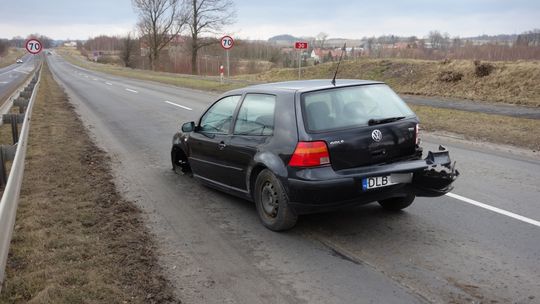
x=339 y=62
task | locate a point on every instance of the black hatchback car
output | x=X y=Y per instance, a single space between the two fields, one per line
x=310 y=146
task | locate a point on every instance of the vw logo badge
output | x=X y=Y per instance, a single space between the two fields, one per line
x=376 y=135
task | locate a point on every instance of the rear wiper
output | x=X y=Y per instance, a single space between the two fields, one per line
x=373 y=121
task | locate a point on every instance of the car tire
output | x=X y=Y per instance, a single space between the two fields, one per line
x=180 y=165
x=272 y=203
x=397 y=203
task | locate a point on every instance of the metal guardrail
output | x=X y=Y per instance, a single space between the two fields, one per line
x=10 y=197
x=6 y=106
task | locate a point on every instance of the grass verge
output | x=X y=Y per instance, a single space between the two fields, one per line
x=168 y=78
x=478 y=126
x=75 y=239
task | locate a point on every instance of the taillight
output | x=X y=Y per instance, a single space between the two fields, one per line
x=310 y=154
x=417 y=134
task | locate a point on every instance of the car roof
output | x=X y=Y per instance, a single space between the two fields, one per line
x=305 y=85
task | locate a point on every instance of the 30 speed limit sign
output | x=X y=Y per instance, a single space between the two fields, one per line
x=227 y=42
x=33 y=46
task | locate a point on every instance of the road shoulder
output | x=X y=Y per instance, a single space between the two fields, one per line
x=76 y=239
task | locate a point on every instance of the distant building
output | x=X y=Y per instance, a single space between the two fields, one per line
x=319 y=54
x=70 y=43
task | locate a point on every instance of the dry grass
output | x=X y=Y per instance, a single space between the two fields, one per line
x=210 y=84
x=11 y=57
x=75 y=239
x=509 y=82
x=477 y=126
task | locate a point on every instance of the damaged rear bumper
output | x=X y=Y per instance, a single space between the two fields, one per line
x=321 y=189
x=438 y=177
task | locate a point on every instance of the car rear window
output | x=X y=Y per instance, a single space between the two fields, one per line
x=351 y=106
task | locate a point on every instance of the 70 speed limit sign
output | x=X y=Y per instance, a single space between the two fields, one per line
x=33 y=46
x=227 y=42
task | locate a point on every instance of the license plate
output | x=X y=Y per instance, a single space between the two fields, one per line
x=377 y=182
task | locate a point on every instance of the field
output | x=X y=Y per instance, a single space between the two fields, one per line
x=509 y=82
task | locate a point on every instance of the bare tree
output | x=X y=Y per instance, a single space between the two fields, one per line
x=206 y=17
x=160 y=21
x=320 y=40
x=435 y=39
x=46 y=42
x=127 y=50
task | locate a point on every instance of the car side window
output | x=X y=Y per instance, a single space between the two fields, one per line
x=218 y=118
x=256 y=115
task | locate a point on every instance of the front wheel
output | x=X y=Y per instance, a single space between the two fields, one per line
x=180 y=163
x=397 y=203
x=272 y=203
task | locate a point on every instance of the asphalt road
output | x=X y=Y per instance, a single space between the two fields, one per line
x=14 y=75
x=473 y=247
x=475 y=106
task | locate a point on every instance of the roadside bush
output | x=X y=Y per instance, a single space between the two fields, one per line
x=446 y=61
x=450 y=76
x=482 y=69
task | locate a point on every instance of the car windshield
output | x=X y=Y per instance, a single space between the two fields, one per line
x=351 y=106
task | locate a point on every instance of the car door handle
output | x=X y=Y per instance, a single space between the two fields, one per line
x=221 y=146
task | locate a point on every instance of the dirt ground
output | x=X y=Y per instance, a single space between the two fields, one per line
x=75 y=239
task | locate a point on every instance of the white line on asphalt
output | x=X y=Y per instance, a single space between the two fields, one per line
x=130 y=90
x=94 y=79
x=108 y=83
x=180 y=106
x=494 y=209
x=4 y=82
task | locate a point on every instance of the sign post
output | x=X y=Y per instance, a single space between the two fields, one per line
x=227 y=42
x=300 y=46
x=33 y=46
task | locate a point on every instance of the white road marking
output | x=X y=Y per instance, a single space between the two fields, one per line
x=22 y=72
x=180 y=106
x=130 y=90
x=108 y=83
x=94 y=79
x=495 y=209
x=4 y=82
x=10 y=71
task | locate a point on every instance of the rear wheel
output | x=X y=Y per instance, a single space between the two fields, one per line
x=397 y=203
x=272 y=203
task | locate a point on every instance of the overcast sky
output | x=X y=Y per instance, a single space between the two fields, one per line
x=74 y=19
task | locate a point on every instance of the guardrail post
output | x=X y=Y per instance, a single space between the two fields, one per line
x=21 y=103
x=14 y=119
x=7 y=153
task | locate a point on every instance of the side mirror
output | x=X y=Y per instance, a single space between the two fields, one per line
x=188 y=127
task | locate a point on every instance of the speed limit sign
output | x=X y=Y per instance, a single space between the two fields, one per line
x=227 y=42
x=33 y=46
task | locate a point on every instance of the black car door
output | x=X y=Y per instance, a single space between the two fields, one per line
x=254 y=127
x=208 y=143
